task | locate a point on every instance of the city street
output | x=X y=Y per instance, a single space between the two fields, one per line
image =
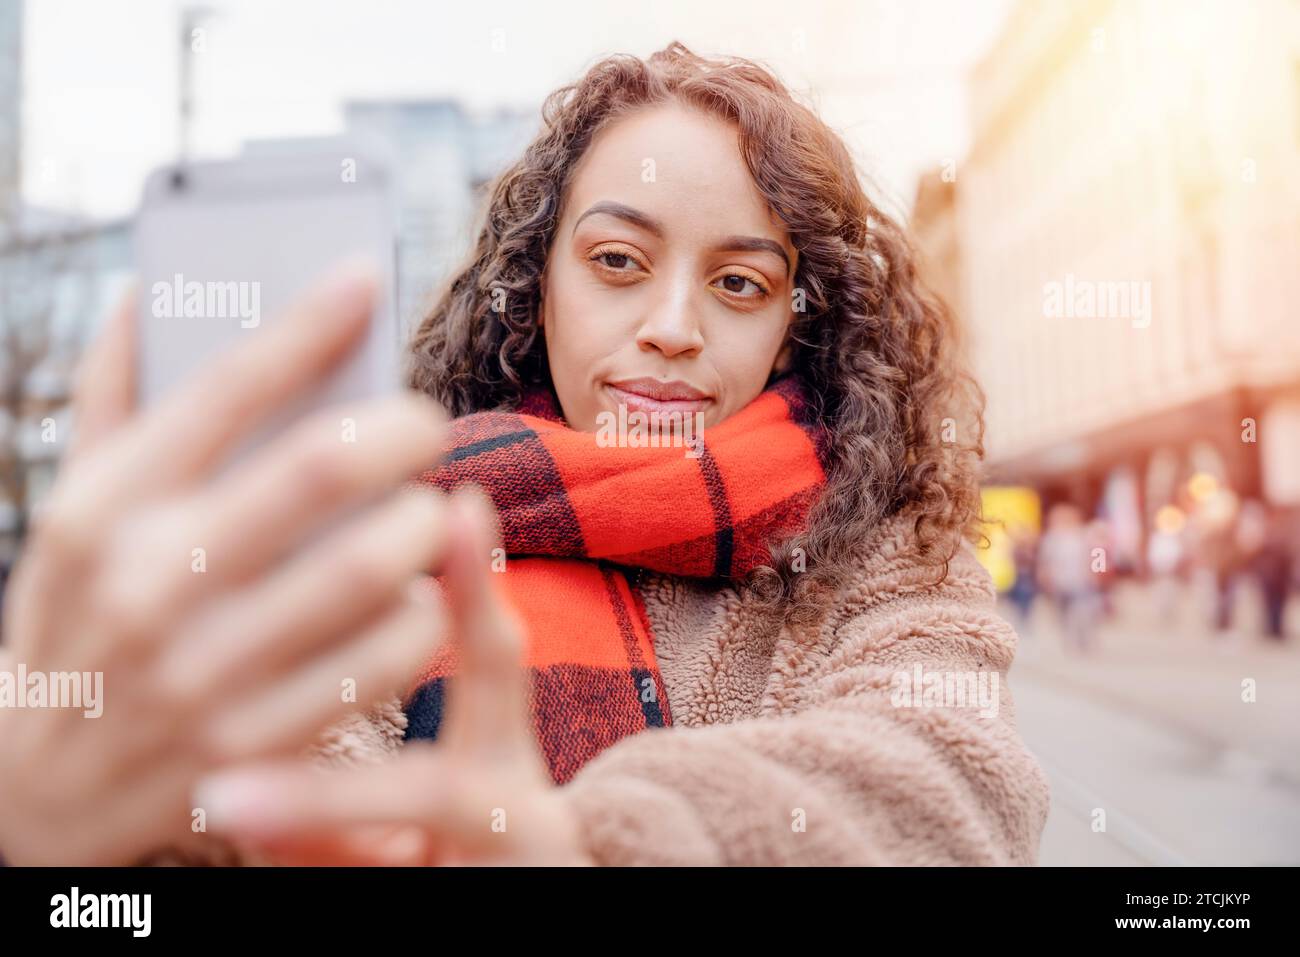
x=1152 y=730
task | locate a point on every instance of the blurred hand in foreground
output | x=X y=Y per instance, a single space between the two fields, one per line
x=243 y=650
x=481 y=794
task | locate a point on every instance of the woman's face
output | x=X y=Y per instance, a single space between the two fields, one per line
x=668 y=285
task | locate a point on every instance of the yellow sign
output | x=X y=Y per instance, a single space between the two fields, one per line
x=1009 y=512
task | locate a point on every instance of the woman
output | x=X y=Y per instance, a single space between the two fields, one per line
x=740 y=650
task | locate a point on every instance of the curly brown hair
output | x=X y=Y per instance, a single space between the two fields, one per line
x=875 y=349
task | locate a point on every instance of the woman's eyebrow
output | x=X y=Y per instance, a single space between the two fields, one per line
x=753 y=244
x=633 y=216
x=651 y=225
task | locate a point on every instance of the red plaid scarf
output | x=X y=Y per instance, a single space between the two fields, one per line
x=574 y=514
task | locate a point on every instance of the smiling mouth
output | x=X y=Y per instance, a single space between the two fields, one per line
x=651 y=395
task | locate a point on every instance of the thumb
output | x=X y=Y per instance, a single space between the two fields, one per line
x=103 y=395
x=488 y=701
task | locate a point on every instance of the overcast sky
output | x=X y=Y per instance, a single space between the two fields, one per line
x=101 y=75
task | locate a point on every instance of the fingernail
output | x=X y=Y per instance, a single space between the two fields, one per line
x=234 y=801
x=351 y=287
x=477 y=508
x=424 y=590
x=471 y=547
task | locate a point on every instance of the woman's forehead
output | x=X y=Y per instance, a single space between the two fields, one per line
x=680 y=167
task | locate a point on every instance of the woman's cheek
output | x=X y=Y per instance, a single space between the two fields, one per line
x=573 y=353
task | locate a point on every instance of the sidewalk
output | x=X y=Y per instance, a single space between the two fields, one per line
x=1151 y=729
x=1179 y=676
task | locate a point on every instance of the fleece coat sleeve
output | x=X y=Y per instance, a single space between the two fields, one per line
x=841 y=766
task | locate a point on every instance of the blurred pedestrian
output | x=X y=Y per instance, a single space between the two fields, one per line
x=1024 y=556
x=1065 y=571
x=1265 y=550
x=1217 y=551
x=1165 y=553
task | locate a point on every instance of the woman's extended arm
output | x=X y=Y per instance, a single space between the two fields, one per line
x=843 y=772
x=849 y=774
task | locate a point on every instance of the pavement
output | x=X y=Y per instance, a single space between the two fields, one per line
x=1153 y=754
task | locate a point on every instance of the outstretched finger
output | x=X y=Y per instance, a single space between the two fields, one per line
x=104 y=385
x=287 y=801
x=365 y=846
x=488 y=703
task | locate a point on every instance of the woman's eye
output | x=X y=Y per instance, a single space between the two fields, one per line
x=741 y=285
x=618 y=261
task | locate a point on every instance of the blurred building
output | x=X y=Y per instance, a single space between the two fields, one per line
x=11 y=74
x=934 y=226
x=59 y=277
x=1127 y=244
x=60 y=273
x=445 y=157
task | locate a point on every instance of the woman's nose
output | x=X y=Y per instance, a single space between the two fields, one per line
x=672 y=325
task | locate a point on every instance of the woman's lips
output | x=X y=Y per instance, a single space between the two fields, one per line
x=651 y=395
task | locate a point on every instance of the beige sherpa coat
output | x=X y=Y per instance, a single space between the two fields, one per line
x=792 y=745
